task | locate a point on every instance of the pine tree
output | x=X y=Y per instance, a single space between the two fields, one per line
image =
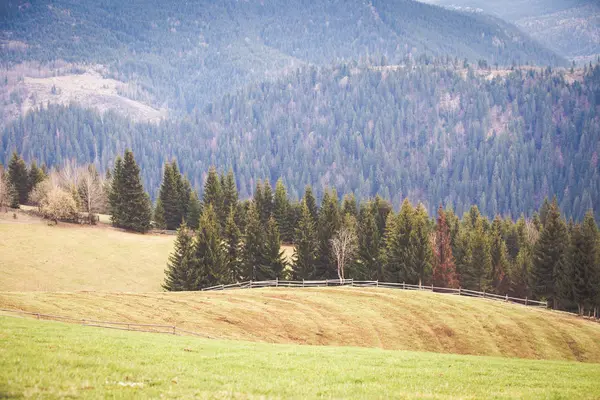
x=328 y=225
x=264 y=201
x=477 y=276
x=181 y=271
x=18 y=178
x=169 y=197
x=209 y=255
x=254 y=247
x=421 y=245
x=194 y=210
x=213 y=194
x=232 y=239
x=158 y=215
x=115 y=194
x=274 y=257
x=135 y=211
x=35 y=176
x=311 y=203
x=367 y=265
x=444 y=270
x=398 y=253
x=550 y=258
x=499 y=258
x=230 y=193
x=304 y=258
x=281 y=212
x=349 y=206
x=584 y=259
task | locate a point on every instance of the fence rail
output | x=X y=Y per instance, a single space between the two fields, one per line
x=390 y=285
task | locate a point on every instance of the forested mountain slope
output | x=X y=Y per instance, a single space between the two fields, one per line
x=569 y=27
x=432 y=131
x=181 y=54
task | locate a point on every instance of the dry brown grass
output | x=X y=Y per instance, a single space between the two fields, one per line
x=384 y=318
x=35 y=256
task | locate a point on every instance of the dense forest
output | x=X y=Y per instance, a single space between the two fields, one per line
x=436 y=131
x=184 y=54
x=222 y=239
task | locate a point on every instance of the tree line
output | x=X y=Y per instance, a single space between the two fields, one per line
x=223 y=239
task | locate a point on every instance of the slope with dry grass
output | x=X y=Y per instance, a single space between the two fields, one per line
x=383 y=318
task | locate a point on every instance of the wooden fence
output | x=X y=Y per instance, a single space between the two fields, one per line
x=125 y=326
x=353 y=283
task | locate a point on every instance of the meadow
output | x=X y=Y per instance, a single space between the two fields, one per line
x=56 y=360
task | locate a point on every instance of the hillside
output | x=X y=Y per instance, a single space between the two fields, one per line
x=433 y=131
x=183 y=55
x=98 y=363
x=569 y=27
x=383 y=318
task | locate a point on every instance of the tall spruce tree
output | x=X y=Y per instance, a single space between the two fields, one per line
x=133 y=204
x=116 y=193
x=311 y=203
x=274 y=256
x=477 y=275
x=18 y=178
x=158 y=215
x=584 y=259
x=499 y=258
x=550 y=258
x=194 y=210
x=230 y=193
x=304 y=258
x=35 y=176
x=349 y=205
x=254 y=247
x=213 y=194
x=232 y=239
x=169 y=198
x=282 y=212
x=328 y=225
x=180 y=274
x=368 y=264
x=209 y=254
x=398 y=253
x=422 y=253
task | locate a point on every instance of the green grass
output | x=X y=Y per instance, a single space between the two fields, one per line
x=51 y=360
x=369 y=317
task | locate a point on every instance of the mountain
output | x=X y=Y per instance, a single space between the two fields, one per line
x=181 y=55
x=569 y=27
x=432 y=130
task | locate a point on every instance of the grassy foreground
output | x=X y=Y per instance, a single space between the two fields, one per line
x=383 y=318
x=48 y=359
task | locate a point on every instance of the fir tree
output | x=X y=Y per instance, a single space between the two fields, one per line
x=274 y=257
x=254 y=247
x=35 y=176
x=584 y=259
x=444 y=270
x=304 y=258
x=194 y=210
x=398 y=253
x=159 y=215
x=311 y=203
x=209 y=255
x=169 y=197
x=349 y=206
x=367 y=265
x=230 y=193
x=477 y=276
x=421 y=245
x=115 y=194
x=264 y=201
x=499 y=258
x=135 y=211
x=213 y=194
x=181 y=270
x=281 y=212
x=550 y=258
x=233 y=249
x=18 y=178
x=329 y=223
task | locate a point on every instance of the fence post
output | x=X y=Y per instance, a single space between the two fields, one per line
x=38 y=315
x=432 y=288
x=459 y=291
x=326 y=282
x=277 y=282
x=377 y=282
x=173 y=329
x=403 y=286
x=526 y=300
x=302 y=282
x=506 y=297
x=484 y=293
x=250 y=283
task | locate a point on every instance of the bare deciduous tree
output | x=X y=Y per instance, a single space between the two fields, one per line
x=344 y=246
x=91 y=191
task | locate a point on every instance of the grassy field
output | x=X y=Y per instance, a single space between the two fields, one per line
x=383 y=318
x=68 y=257
x=38 y=257
x=51 y=360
